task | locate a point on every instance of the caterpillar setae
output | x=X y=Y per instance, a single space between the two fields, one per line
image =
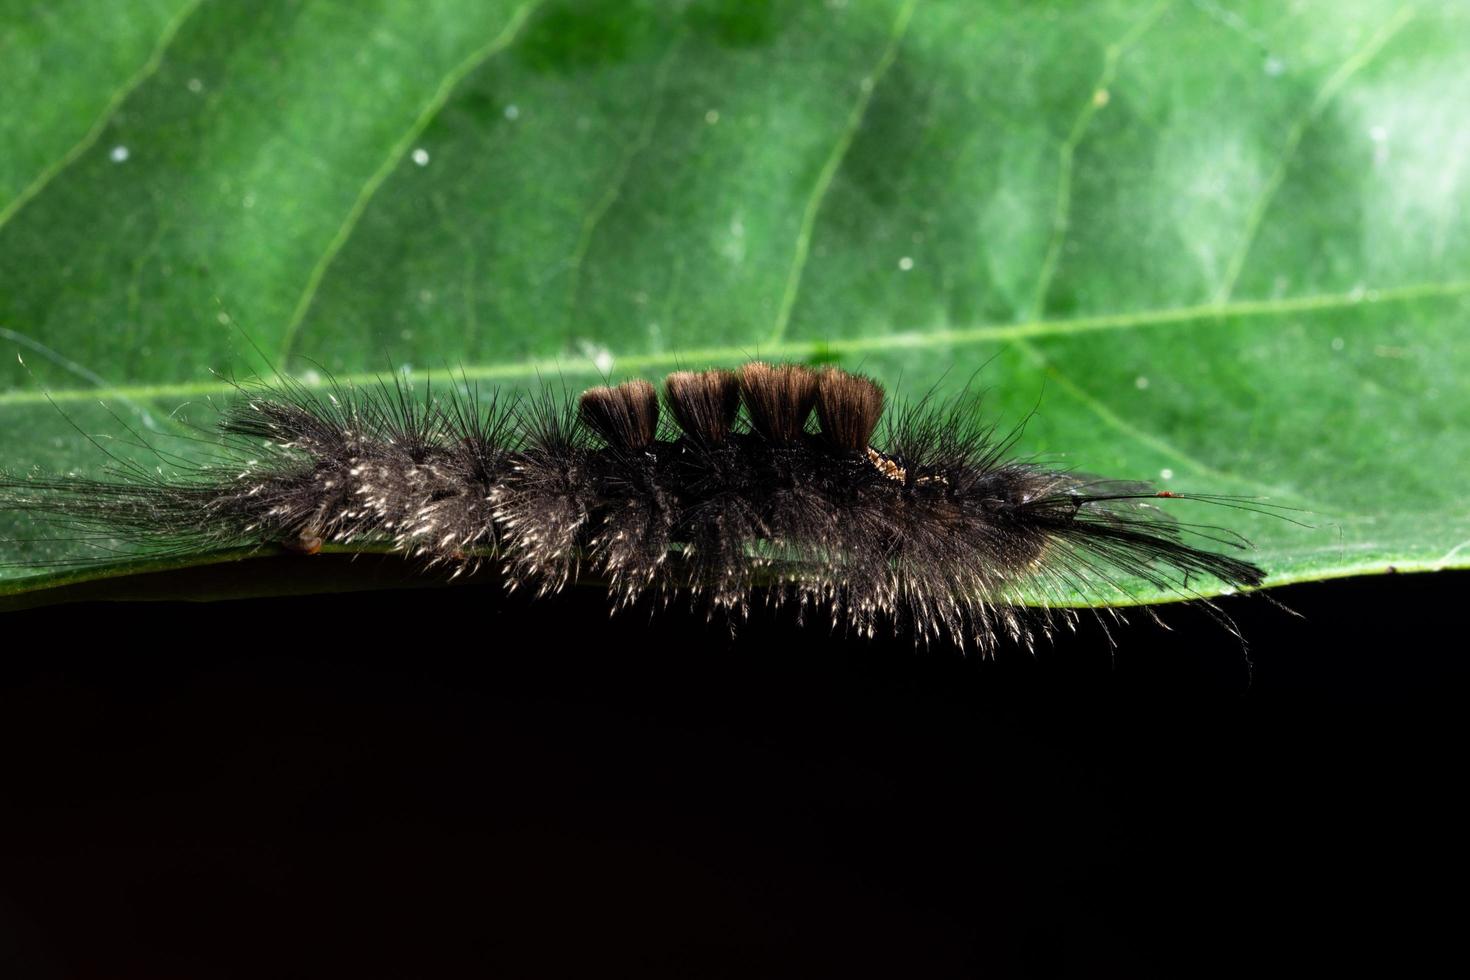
x=773 y=478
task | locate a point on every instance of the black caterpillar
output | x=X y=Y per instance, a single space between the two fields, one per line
x=766 y=479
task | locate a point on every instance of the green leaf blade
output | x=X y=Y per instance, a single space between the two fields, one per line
x=1220 y=248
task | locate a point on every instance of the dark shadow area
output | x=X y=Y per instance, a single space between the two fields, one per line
x=441 y=782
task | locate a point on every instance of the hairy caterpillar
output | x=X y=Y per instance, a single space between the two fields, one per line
x=767 y=476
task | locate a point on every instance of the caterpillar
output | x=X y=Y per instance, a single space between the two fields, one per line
x=776 y=478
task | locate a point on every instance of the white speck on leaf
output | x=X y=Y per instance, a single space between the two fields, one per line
x=1379 y=136
x=1140 y=382
x=421 y=156
x=601 y=357
x=905 y=264
x=195 y=85
x=1274 y=66
x=512 y=112
x=1166 y=474
x=733 y=248
x=712 y=116
x=119 y=154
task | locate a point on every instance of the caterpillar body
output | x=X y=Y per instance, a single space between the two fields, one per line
x=767 y=478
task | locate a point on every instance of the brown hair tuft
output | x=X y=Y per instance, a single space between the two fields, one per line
x=848 y=406
x=704 y=403
x=778 y=398
x=625 y=415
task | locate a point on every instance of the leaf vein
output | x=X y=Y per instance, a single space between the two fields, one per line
x=641 y=142
x=825 y=177
x=1355 y=62
x=396 y=153
x=1159 y=444
x=89 y=139
x=1062 y=209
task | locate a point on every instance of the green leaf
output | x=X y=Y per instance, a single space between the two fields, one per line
x=1221 y=246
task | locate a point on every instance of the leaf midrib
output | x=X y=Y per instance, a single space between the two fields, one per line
x=799 y=349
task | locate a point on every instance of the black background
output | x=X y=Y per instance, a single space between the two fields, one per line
x=434 y=782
